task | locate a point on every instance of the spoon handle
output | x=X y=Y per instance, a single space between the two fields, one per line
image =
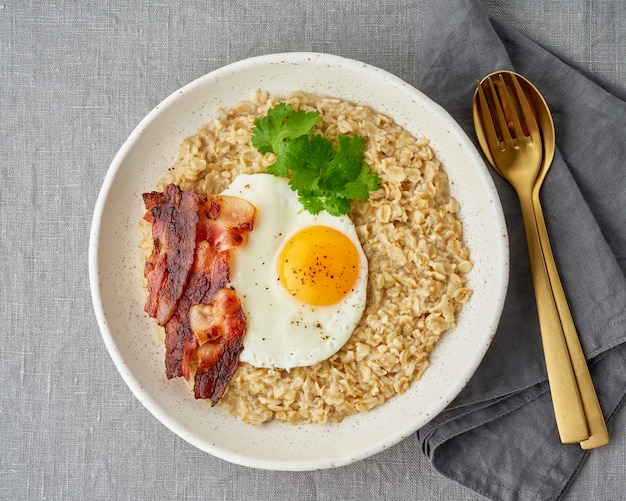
x=568 y=410
x=598 y=435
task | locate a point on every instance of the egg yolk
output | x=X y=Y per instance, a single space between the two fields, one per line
x=318 y=265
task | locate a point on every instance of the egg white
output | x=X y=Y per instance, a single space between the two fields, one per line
x=282 y=332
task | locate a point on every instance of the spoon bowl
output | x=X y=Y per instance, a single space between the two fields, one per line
x=544 y=120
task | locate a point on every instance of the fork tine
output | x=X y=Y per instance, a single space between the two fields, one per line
x=485 y=116
x=529 y=116
x=509 y=103
x=502 y=122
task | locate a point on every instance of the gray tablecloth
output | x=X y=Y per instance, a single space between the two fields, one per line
x=75 y=79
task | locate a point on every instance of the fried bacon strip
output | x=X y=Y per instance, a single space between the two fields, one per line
x=225 y=221
x=210 y=274
x=174 y=217
x=189 y=296
x=219 y=327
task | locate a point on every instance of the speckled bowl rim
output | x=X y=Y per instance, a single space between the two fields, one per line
x=115 y=266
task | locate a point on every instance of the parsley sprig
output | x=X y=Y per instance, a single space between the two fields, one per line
x=325 y=178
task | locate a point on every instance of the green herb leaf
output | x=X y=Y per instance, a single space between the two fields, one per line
x=289 y=153
x=280 y=123
x=325 y=179
x=365 y=182
x=346 y=164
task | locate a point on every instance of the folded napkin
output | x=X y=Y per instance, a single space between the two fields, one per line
x=499 y=436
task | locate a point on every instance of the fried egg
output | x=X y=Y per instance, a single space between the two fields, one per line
x=301 y=278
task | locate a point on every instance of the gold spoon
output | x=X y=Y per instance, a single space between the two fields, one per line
x=507 y=129
x=598 y=435
x=593 y=413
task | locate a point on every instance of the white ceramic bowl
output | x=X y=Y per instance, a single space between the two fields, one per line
x=115 y=266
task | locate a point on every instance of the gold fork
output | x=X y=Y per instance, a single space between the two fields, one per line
x=512 y=134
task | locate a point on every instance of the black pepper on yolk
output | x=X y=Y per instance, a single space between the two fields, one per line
x=318 y=265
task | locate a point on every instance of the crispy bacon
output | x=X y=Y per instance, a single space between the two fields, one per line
x=210 y=273
x=219 y=328
x=188 y=276
x=225 y=221
x=174 y=215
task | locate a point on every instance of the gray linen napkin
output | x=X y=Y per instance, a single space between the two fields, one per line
x=499 y=436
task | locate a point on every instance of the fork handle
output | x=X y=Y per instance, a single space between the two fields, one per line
x=568 y=409
x=598 y=435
